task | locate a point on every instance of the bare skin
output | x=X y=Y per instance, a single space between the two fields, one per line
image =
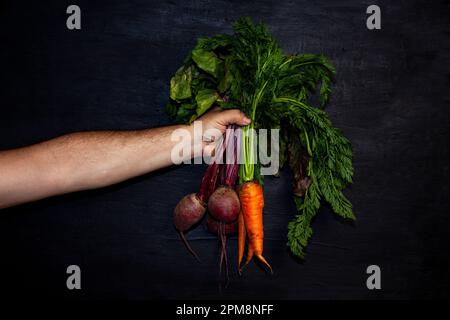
x=89 y=160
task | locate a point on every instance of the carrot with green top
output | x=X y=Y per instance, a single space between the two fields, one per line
x=251 y=196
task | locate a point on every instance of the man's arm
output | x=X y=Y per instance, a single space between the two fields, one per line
x=89 y=160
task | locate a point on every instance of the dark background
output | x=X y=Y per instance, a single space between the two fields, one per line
x=391 y=99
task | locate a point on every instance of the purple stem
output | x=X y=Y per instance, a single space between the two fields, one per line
x=208 y=184
x=229 y=171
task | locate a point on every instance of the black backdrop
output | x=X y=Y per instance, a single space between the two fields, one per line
x=391 y=99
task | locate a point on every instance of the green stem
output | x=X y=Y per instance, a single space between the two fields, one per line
x=290 y=100
x=247 y=169
x=307 y=142
x=285 y=63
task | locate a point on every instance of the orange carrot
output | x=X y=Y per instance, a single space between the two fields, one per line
x=241 y=239
x=252 y=203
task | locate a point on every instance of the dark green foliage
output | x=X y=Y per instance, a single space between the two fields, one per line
x=330 y=168
x=249 y=71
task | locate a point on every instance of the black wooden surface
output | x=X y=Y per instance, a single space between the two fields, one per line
x=391 y=99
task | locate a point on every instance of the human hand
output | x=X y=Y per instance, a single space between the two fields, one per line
x=220 y=119
x=214 y=124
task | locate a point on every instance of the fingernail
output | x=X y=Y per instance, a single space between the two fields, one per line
x=247 y=120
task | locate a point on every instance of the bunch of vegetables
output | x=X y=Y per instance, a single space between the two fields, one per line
x=221 y=200
x=248 y=70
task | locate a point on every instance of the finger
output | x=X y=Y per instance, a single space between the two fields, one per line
x=234 y=116
x=209 y=150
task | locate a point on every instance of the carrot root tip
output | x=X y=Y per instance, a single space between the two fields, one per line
x=261 y=258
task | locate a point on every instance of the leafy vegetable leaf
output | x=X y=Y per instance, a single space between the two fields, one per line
x=206 y=60
x=219 y=41
x=325 y=91
x=180 y=84
x=171 y=109
x=227 y=78
x=205 y=99
x=299 y=229
x=183 y=115
x=189 y=106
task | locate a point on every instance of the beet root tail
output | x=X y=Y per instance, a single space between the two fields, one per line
x=186 y=243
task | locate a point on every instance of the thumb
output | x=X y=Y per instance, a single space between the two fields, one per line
x=234 y=116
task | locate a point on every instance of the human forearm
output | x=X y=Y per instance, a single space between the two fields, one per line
x=89 y=160
x=81 y=161
x=103 y=158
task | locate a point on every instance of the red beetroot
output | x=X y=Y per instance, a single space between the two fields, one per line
x=224 y=205
x=213 y=226
x=191 y=209
x=188 y=212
